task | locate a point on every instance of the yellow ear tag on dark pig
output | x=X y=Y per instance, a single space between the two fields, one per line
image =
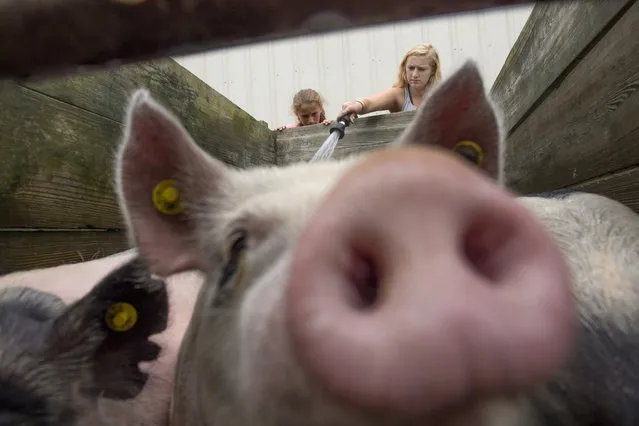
x=470 y=151
x=166 y=197
x=121 y=316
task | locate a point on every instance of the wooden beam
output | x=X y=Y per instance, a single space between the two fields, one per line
x=587 y=126
x=46 y=37
x=555 y=36
x=22 y=250
x=621 y=186
x=365 y=134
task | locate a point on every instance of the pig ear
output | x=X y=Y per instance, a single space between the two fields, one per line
x=458 y=116
x=163 y=179
x=101 y=338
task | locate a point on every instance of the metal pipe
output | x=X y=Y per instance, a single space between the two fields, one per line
x=45 y=38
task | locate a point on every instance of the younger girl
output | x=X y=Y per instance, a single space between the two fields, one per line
x=308 y=107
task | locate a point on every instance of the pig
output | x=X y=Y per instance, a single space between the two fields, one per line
x=59 y=365
x=474 y=307
x=403 y=286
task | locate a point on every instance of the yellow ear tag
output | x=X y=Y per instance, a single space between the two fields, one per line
x=471 y=151
x=121 y=316
x=166 y=197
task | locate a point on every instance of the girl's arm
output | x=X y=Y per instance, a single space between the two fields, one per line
x=388 y=99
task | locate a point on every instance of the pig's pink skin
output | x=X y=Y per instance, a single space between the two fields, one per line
x=474 y=294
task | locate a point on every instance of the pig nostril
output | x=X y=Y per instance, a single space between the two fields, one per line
x=364 y=279
x=484 y=244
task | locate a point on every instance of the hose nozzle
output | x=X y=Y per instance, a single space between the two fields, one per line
x=340 y=125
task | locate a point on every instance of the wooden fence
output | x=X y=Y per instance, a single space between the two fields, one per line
x=568 y=91
x=58 y=137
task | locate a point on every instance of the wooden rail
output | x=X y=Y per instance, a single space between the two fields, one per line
x=43 y=38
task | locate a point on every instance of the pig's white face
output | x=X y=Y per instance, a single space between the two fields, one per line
x=270 y=345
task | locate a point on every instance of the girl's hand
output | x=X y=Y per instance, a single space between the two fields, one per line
x=350 y=108
x=327 y=122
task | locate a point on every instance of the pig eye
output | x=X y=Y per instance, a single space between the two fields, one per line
x=237 y=246
x=470 y=151
x=234 y=253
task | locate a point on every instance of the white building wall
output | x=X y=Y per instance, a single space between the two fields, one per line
x=262 y=78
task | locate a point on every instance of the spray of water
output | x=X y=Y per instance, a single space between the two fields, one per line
x=326 y=150
x=336 y=133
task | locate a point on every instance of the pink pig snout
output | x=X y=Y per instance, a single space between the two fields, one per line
x=419 y=282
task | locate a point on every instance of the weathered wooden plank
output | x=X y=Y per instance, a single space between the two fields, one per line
x=56 y=164
x=58 y=139
x=365 y=134
x=621 y=186
x=554 y=36
x=587 y=126
x=21 y=250
x=216 y=123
